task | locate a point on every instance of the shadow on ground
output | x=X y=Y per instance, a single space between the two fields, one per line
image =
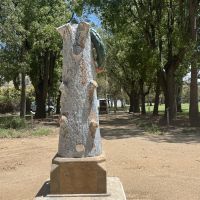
x=121 y=126
x=44 y=190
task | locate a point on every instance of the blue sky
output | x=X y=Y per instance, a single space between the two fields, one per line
x=93 y=18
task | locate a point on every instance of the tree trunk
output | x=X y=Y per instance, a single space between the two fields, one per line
x=194 y=110
x=115 y=105
x=131 y=103
x=28 y=105
x=171 y=95
x=170 y=68
x=122 y=103
x=41 y=87
x=136 y=103
x=178 y=98
x=23 y=96
x=48 y=108
x=156 y=99
x=58 y=103
x=143 y=108
x=40 y=98
x=142 y=95
x=111 y=102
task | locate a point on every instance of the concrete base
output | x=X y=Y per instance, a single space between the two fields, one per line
x=115 y=191
x=78 y=175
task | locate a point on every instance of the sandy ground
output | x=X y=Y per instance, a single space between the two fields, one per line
x=150 y=167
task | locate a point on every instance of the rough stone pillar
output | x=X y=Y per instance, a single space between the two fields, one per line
x=79 y=166
x=78 y=170
x=79 y=123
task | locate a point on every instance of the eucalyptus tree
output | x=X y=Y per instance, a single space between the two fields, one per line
x=13 y=50
x=119 y=68
x=193 y=109
x=165 y=27
x=31 y=44
x=133 y=69
x=45 y=48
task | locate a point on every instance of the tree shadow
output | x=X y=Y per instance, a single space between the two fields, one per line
x=123 y=126
x=177 y=137
x=118 y=127
x=120 y=133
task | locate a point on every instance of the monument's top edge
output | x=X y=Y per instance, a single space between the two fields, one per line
x=62 y=28
x=68 y=24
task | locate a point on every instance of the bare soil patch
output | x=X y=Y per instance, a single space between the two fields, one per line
x=153 y=167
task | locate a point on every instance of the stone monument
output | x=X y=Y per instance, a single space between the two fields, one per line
x=79 y=166
x=79 y=127
x=79 y=137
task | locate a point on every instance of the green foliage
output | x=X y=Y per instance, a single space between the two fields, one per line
x=108 y=87
x=13 y=57
x=30 y=43
x=149 y=41
x=15 y=123
x=45 y=41
x=102 y=85
x=10 y=98
x=6 y=105
x=9 y=93
x=125 y=65
x=46 y=45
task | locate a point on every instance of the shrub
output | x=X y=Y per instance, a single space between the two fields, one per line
x=10 y=99
x=6 y=105
x=15 y=123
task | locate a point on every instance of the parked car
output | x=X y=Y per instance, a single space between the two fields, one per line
x=103 y=106
x=50 y=108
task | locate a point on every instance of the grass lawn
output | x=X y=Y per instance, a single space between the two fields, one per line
x=25 y=132
x=161 y=108
x=14 y=127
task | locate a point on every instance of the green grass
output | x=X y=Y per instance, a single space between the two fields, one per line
x=15 y=123
x=148 y=126
x=161 y=108
x=15 y=127
x=21 y=133
x=4 y=119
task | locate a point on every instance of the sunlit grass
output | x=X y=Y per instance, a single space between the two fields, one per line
x=21 y=133
x=161 y=108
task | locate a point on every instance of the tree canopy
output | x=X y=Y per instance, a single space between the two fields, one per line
x=151 y=40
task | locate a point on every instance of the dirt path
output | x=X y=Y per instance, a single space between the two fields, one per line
x=156 y=168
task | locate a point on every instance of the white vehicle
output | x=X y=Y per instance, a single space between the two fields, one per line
x=50 y=108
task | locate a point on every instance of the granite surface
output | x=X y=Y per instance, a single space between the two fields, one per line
x=79 y=122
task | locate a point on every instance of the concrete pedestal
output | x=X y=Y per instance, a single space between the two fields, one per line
x=115 y=191
x=78 y=175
